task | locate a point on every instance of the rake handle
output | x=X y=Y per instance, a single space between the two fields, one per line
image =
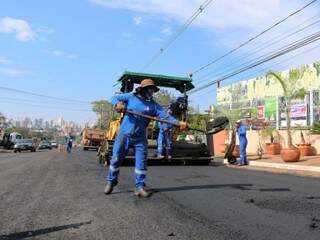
x=160 y=120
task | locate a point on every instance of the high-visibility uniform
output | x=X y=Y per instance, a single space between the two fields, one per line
x=69 y=144
x=165 y=139
x=243 y=142
x=132 y=133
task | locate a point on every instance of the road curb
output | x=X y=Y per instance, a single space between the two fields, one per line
x=4 y=151
x=282 y=166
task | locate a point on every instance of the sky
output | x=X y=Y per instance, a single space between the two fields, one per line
x=75 y=50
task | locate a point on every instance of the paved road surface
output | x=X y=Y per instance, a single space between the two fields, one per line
x=51 y=195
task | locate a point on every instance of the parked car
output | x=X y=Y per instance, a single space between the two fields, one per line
x=44 y=145
x=54 y=144
x=24 y=144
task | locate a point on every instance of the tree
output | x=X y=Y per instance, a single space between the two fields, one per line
x=23 y=131
x=104 y=110
x=164 y=98
x=317 y=67
x=198 y=121
x=290 y=90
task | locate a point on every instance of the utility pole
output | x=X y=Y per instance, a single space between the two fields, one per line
x=101 y=115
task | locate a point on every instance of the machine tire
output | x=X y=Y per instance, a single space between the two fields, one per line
x=232 y=159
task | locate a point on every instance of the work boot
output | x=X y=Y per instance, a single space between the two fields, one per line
x=141 y=192
x=108 y=189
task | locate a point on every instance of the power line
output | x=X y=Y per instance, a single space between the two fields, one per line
x=291 y=58
x=281 y=52
x=46 y=107
x=37 y=101
x=43 y=96
x=262 y=47
x=178 y=33
x=303 y=42
x=257 y=50
x=253 y=38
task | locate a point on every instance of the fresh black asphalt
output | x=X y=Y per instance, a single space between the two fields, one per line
x=52 y=195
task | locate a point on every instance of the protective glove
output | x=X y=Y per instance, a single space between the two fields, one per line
x=183 y=125
x=120 y=107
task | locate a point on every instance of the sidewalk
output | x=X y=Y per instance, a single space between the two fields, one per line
x=307 y=166
x=3 y=150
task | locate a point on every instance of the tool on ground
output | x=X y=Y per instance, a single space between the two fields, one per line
x=216 y=126
x=229 y=151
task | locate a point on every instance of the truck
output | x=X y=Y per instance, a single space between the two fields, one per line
x=91 y=138
x=8 y=140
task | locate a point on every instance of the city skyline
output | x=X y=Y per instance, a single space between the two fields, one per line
x=42 y=123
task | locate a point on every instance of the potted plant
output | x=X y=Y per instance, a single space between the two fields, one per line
x=259 y=126
x=315 y=127
x=273 y=147
x=304 y=146
x=290 y=153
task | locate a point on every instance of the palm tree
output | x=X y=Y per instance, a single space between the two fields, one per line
x=289 y=86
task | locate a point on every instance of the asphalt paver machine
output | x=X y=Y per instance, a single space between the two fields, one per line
x=183 y=151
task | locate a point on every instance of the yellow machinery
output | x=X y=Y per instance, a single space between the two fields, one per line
x=113 y=129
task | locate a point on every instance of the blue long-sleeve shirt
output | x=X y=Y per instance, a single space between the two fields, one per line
x=135 y=126
x=242 y=132
x=165 y=127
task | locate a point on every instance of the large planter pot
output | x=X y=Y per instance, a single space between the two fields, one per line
x=290 y=154
x=305 y=149
x=273 y=148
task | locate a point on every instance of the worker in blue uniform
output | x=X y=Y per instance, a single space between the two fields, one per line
x=69 y=142
x=132 y=133
x=165 y=139
x=243 y=142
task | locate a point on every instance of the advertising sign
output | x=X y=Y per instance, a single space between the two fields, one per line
x=270 y=109
x=260 y=114
x=298 y=111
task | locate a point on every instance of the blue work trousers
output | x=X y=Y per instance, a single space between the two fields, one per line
x=243 y=142
x=164 y=141
x=120 y=150
x=69 y=147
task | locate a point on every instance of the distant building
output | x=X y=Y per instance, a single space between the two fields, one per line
x=61 y=122
x=38 y=123
x=26 y=123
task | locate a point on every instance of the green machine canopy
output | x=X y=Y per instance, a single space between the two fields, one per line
x=128 y=79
